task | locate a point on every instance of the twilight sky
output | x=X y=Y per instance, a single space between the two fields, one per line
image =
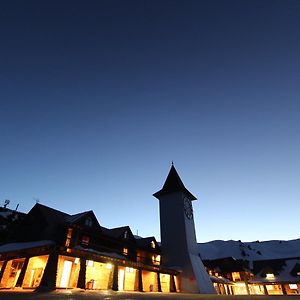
x=98 y=97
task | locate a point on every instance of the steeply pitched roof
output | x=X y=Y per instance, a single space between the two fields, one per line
x=282 y=269
x=227 y=264
x=146 y=242
x=51 y=215
x=74 y=218
x=119 y=232
x=173 y=184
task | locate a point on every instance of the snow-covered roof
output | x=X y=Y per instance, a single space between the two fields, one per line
x=250 y=251
x=21 y=246
x=282 y=275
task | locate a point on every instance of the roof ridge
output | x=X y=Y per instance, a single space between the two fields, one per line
x=53 y=209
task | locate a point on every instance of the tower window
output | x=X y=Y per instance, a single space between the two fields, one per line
x=153 y=244
x=126 y=234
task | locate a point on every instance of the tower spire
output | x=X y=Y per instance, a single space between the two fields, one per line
x=173 y=184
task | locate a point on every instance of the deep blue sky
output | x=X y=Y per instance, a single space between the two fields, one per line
x=98 y=97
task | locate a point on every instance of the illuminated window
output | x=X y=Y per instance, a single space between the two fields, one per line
x=69 y=236
x=270 y=276
x=85 y=240
x=236 y=276
x=15 y=267
x=125 y=251
x=129 y=270
x=155 y=259
x=298 y=273
x=153 y=244
x=90 y=263
x=88 y=222
x=76 y=261
x=293 y=286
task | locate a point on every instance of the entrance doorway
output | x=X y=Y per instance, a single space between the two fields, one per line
x=121 y=279
x=66 y=272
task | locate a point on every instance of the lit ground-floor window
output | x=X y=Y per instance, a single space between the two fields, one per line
x=34 y=271
x=11 y=273
x=149 y=281
x=256 y=289
x=292 y=288
x=220 y=288
x=99 y=275
x=165 y=282
x=240 y=288
x=67 y=271
x=274 y=289
x=127 y=279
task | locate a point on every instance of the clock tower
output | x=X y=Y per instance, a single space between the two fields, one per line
x=178 y=237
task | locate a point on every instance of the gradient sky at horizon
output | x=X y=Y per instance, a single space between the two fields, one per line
x=98 y=97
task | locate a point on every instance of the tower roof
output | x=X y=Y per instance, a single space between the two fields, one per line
x=173 y=184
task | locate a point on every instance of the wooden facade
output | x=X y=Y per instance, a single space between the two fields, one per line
x=265 y=277
x=51 y=249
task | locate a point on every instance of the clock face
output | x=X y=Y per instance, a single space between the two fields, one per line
x=188 y=208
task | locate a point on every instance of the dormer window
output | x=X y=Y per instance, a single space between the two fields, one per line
x=156 y=259
x=126 y=234
x=270 y=276
x=125 y=251
x=88 y=222
x=236 y=276
x=293 y=286
x=153 y=244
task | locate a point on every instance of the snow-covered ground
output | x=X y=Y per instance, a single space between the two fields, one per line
x=250 y=250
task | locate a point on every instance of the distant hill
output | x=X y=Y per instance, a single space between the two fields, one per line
x=249 y=250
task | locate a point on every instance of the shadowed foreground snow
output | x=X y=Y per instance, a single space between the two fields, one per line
x=109 y=295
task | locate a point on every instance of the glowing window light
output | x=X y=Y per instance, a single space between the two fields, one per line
x=109 y=266
x=270 y=276
x=129 y=270
x=293 y=286
x=153 y=244
x=89 y=263
x=76 y=261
